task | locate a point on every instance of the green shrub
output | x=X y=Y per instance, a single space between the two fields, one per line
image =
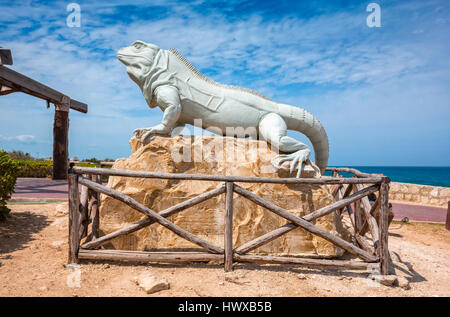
x=42 y=168
x=8 y=175
x=35 y=168
x=87 y=165
x=19 y=155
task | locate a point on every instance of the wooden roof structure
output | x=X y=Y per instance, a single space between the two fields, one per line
x=12 y=81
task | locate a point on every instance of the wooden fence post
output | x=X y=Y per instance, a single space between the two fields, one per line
x=74 y=219
x=95 y=209
x=358 y=216
x=61 y=140
x=228 y=234
x=383 y=227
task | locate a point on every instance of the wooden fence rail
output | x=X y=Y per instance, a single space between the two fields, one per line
x=350 y=194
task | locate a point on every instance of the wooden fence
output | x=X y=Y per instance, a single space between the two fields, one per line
x=369 y=221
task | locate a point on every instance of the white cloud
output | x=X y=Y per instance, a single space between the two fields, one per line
x=26 y=138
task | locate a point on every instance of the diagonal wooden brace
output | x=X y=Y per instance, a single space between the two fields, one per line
x=307 y=225
x=272 y=235
x=148 y=221
x=151 y=214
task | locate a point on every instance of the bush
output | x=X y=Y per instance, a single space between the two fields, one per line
x=19 y=155
x=87 y=165
x=35 y=168
x=42 y=168
x=8 y=175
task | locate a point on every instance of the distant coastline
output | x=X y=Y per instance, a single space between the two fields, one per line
x=422 y=175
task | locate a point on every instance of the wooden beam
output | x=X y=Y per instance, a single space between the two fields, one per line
x=301 y=261
x=369 y=220
x=5 y=56
x=84 y=210
x=372 y=212
x=351 y=171
x=95 y=209
x=60 y=144
x=349 y=208
x=223 y=178
x=335 y=191
x=143 y=256
x=364 y=243
x=358 y=216
x=24 y=84
x=78 y=106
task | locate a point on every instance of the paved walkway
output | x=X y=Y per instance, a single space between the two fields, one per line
x=40 y=188
x=57 y=189
x=419 y=213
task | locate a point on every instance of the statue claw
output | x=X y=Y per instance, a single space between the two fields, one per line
x=146 y=134
x=139 y=132
x=147 y=137
x=299 y=159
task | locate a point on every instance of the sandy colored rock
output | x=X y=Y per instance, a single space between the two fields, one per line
x=414 y=190
x=207 y=219
x=403 y=282
x=445 y=192
x=61 y=209
x=57 y=244
x=61 y=223
x=434 y=193
x=387 y=280
x=425 y=191
x=151 y=283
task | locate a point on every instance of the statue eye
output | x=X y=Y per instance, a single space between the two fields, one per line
x=137 y=45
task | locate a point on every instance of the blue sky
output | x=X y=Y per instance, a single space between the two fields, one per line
x=382 y=94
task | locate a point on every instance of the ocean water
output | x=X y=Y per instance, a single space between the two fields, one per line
x=436 y=176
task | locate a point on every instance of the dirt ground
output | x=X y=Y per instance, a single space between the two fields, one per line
x=33 y=255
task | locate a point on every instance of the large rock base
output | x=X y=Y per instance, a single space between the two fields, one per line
x=207 y=219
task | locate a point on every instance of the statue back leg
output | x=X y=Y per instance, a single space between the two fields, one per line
x=273 y=129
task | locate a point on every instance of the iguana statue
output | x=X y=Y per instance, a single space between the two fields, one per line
x=169 y=81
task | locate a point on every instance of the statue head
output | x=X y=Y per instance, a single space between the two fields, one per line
x=138 y=58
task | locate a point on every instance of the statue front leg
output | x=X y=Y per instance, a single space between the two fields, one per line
x=168 y=100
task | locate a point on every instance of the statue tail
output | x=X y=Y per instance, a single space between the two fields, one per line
x=300 y=120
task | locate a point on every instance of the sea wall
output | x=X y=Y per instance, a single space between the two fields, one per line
x=420 y=194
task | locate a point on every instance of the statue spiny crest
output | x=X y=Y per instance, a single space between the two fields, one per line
x=209 y=80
